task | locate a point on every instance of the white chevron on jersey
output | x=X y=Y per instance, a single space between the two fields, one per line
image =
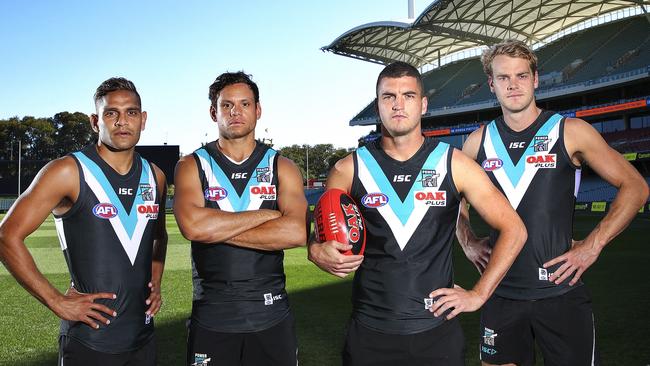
x=225 y=204
x=401 y=232
x=515 y=192
x=131 y=244
x=58 y=223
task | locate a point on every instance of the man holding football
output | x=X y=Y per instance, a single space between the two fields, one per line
x=240 y=204
x=408 y=188
x=534 y=157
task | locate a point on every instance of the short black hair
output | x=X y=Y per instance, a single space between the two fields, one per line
x=115 y=84
x=230 y=78
x=399 y=69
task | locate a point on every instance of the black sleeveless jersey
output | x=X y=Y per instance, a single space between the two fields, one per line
x=410 y=209
x=534 y=171
x=238 y=289
x=107 y=240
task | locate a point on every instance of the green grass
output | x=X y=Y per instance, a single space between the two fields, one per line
x=618 y=283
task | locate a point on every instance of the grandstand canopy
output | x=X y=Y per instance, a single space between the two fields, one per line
x=449 y=26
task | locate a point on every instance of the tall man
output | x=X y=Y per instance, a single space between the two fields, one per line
x=534 y=157
x=108 y=205
x=240 y=204
x=408 y=189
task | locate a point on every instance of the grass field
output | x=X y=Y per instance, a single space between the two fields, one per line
x=618 y=282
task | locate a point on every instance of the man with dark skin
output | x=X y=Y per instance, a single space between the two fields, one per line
x=105 y=200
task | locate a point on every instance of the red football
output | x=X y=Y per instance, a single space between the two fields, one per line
x=337 y=217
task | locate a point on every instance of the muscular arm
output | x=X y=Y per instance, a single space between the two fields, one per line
x=288 y=230
x=476 y=249
x=585 y=145
x=159 y=247
x=206 y=225
x=51 y=189
x=493 y=207
x=327 y=256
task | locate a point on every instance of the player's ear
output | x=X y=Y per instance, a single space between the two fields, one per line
x=536 y=79
x=491 y=83
x=144 y=120
x=94 y=121
x=213 y=113
x=425 y=103
x=258 y=110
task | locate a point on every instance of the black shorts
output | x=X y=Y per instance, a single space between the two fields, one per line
x=563 y=327
x=274 y=346
x=74 y=353
x=443 y=345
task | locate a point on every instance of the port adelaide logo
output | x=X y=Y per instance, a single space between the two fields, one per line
x=146 y=191
x=541 y=143
x=263 y=175
x=429 y=178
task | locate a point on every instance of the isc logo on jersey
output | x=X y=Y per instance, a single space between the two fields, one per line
x=266 y=193
x=546 y=161
x=374 y=200
x=431 y=198
x=492 y=164
x=150 y=211
x=215 y=193
x=105 y=210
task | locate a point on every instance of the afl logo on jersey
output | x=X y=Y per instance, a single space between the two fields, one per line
x=374 y=200
x=105 y=210
x=492 y=164
x=215 y=193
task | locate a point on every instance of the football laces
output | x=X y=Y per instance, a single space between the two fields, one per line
x=334 y=228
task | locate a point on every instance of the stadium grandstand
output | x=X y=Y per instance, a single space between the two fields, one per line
x=594 y=64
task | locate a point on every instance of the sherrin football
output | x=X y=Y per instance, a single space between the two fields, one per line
x=337 y=217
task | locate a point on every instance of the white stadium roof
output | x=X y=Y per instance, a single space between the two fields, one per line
x=449 y=26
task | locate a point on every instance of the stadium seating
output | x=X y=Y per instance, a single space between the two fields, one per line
x=601 y=48
x=594 y=189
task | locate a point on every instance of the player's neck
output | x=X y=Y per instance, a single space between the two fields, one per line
x=120 y=160
x=402 y=148
x=238 y=149
x=520 y=120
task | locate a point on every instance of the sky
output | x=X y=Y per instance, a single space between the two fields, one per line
x=56 y=53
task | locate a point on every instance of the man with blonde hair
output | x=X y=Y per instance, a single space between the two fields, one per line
x=534 y=157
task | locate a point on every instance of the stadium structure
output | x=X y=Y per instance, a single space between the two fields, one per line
x=594 y=64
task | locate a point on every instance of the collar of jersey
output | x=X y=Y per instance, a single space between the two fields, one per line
x=129 y=218
x=515 y=171
x=239 y=203
x=401 y=208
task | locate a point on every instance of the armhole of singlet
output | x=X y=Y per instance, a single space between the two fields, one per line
x=354 y=187
x=276 y=171
x=563 y=145
x=450 y=176
x=199 y=168
x=82 y=192
x=155 y=181
x=483 y=133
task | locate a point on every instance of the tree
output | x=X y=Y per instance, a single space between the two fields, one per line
x=322 y=158
x=73 y=132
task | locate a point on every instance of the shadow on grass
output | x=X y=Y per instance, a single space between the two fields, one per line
x=321 y=315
